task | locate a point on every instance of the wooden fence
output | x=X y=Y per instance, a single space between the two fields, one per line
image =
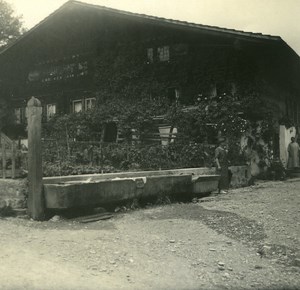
x=8 y=155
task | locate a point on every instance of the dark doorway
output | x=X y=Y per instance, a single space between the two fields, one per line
x=110 y=132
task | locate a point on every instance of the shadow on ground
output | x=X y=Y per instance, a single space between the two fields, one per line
x=236 y=227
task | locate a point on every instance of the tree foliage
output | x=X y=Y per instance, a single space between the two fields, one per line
x=6 y=116
x=198 y=127
x=10 y=29
x=10 y=24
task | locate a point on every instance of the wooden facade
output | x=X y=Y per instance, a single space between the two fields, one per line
x=82 y=52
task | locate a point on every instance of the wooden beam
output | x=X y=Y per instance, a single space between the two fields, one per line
x=36 y=202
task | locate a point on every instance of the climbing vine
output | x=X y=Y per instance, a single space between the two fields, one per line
x=132 y=91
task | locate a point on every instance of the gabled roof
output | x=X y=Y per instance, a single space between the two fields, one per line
x=177 y=22
x=154 y=19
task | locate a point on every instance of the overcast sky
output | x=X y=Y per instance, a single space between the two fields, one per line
x=275 y=17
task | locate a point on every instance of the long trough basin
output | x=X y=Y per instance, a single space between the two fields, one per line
x=92 y=190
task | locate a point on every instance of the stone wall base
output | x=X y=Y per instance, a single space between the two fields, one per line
x=13 y=193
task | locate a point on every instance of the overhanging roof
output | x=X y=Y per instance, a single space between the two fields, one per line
x=178 y=22
x=158 y=20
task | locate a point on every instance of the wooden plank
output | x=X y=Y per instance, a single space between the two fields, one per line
x=91 y=216
x=94 y=218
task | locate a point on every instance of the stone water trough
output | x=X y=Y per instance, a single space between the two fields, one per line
x=98 y=189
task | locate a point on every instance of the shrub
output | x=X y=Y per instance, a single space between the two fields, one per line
x=75 y=142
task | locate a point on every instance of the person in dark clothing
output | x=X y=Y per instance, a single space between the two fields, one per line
x=222 y=164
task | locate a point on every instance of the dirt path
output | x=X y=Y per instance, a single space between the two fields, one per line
x=247 y=239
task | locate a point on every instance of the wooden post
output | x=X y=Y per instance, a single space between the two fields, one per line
x=13 y=160
x=36 y=203
x=3 y=149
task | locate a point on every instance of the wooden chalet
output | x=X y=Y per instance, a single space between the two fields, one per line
x=70 y=61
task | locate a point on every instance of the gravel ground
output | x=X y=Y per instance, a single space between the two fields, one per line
x=246 y=239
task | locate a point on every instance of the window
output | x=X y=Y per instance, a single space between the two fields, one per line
x=163 y=53
x=83 y=105
x=77 y=106
x=89 y=103
x=150 y=55
x=18 y=115
x=160 y=54
x=51 y=111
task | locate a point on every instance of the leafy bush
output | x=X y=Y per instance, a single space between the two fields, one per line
x=276 y=171
x=67 y=168
x=74 y=143
x=122 y=157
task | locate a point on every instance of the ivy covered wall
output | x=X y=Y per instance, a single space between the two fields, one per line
x=82 y=52
x=200 y=65
x=196 y=64
x=138 y=67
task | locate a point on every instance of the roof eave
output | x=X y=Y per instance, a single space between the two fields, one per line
x=175 y=23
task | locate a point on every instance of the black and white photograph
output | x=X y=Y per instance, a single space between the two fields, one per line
x=149 y=144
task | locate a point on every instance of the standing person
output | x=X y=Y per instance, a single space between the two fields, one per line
x=222 y=166
x=293 y=152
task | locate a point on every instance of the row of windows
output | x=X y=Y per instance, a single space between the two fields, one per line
x=173 y=94
x=49 y=72
x=77 y=106
x=83 y=105
x=49 y=110
x=56 y=72
x=80 y=105
x=59 y=72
